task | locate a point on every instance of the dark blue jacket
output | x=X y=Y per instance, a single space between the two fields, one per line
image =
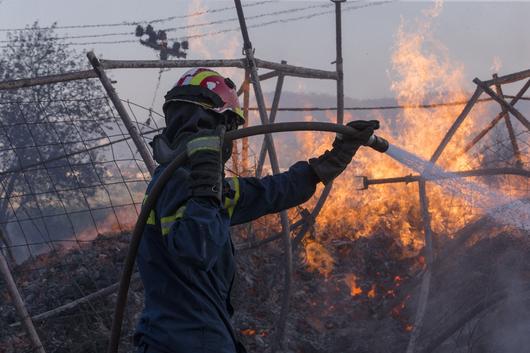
x=186 y=257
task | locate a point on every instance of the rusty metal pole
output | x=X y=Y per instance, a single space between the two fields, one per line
x=338 y=61
x=20 y=306
x=509 y=126
x=235 y=158
x=459 y=120
x=246 y=103
x=129 y=125
x=426 y=279
x=249 y=53
x=498 y=118
x=340 y=119
x=516 y=113
x=272 y=118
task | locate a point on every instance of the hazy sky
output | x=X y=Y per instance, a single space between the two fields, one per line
x=477 y=35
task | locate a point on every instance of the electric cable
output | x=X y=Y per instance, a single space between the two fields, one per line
x=381 y=107
x=193 y=25
x=134 y=23
x=234 y=29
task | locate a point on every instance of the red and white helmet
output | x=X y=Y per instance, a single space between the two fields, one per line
x=208 y=89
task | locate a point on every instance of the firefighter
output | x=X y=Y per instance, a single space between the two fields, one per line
x=186 y=256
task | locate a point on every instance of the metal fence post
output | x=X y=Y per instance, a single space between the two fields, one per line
x=244 y=143
x=249 y=52
x=20 y=306
x=272 y=118
x=129 y=125
x=426 y=280
x=509 y=126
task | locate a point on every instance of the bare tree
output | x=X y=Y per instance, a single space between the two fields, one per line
x=40 y=125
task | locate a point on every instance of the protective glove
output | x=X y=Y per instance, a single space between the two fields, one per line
x=330 y=164
x=204 y=152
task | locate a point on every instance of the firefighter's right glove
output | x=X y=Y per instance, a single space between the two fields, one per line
x=330 y=164
x=204 y=153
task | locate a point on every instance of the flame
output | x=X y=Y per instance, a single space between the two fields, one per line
x=423 y=72
x=351 y=280
x=318 y=258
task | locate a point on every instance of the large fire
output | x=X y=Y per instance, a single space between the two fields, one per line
x=424 y=73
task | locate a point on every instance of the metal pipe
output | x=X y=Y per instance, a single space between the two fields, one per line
x=508 y=121
x=316 y=211
x=161 y=64
x=503 y=103
x=426 y=280
x=269 y=143
x=46 y=80
x=517 y=76
x=499 y=116
x=297 y=71
x=262 y=77
x=133 y=131
x=246 y=103
x=450 y=175
x=287 y=70
x=340 y=118
x=157 y=188
x=272 y=118
x=338 y=61
x=459 y=120
x=20 y=306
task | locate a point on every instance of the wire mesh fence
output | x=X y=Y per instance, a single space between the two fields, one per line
x=65 y=177
x=72 y=184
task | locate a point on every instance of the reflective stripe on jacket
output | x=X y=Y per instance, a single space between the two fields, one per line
x=186 y=257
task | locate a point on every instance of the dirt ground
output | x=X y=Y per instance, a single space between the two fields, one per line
x=478 y=302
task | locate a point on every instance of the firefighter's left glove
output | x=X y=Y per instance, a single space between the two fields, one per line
x=330 y=164
x=204 y=153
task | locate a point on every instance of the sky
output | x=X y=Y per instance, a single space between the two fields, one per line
x=482 y=37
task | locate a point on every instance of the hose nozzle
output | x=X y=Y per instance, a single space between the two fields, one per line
x=378 y=143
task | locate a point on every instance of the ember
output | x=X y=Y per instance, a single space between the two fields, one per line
x=248 y=332
x=351 y=281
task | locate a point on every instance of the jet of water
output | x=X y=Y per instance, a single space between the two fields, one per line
x=504 y=209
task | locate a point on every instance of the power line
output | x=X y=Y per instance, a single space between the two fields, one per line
x=305 y=17
x=195 y=25
x=385 y=107
x=237 y=29
x=234 y=19
x=133 y=23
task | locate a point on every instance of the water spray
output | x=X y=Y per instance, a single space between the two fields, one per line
x=376 y=142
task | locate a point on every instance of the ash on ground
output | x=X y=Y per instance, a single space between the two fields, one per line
x=479 y=297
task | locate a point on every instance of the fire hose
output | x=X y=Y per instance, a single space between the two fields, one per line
x=375 y=142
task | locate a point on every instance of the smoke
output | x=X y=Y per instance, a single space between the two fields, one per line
x=505 y=326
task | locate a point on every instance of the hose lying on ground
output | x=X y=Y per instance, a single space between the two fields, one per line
x=377 y=143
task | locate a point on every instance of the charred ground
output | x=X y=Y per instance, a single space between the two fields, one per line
x=479 y=296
